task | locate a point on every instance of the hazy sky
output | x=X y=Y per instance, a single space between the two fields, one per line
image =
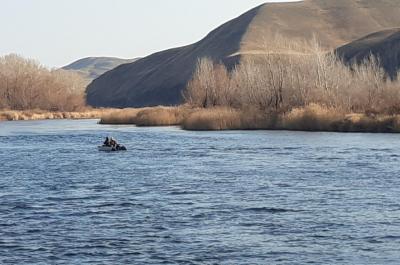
x=57 y=32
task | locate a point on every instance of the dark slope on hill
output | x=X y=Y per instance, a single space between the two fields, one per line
x=384 y=45
x=160 y=78
x=92 y=67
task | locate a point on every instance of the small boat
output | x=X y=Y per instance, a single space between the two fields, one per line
x=106 y=148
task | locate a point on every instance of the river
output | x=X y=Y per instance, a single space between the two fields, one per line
x=179 y=197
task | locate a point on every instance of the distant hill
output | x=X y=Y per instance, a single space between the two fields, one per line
x=92 y=67
x=160 y=78
x=384 y=45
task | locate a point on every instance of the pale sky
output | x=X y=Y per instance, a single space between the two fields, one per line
x=58 y=32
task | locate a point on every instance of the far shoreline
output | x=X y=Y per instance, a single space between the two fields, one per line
x=37 y=114
x=311 y=119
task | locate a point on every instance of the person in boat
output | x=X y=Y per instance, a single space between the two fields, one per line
x=107 y=142
x=113 y=143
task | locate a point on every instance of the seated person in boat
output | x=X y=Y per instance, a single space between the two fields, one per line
x=113 y=142
x=107 y=142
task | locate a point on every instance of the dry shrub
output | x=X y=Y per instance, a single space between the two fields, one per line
x=370 y=123
x=124 y=116
x=274 y=81
x=37 y=114
x=9 y=115
x=253 y=119
x=155 y=116
x=318 y=118
x=311 y=91
x=311 y=118
x=162 y=116
x=26 y=85
x=221 y=118
x=213 y=119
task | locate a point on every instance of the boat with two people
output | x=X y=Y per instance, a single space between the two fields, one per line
x=111 y=145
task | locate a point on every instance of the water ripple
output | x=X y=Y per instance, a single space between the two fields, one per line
x=181 y=197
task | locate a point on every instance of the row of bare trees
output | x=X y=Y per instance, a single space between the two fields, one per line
x=280 y=81
x=25 y=84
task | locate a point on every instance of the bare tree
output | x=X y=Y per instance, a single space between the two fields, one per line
x=305 y=74
x=25 y=84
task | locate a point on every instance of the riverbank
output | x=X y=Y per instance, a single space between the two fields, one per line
x=310 y=118
x=24 y=115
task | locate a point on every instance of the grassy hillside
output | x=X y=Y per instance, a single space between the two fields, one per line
x=160 y=78
x=333 y=23
x=92 y=67
x=384 y=45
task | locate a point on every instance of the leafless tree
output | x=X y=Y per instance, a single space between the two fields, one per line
x=305 y=74
x=25 y=84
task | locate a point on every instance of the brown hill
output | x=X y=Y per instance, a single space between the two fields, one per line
x=384 y=45
x=92 y=67
x=159 y=78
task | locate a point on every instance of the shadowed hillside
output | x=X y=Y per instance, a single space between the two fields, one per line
x=384 y=45
x=160 y=78
x=92 y=67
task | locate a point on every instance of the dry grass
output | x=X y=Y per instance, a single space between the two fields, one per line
x=318 y=118
x=310 y=118
x=123 y=116
x=214 y=119
x=162 y=116
x=155 y=116
x=14 y=115
x=371 y=124
x=189 y=118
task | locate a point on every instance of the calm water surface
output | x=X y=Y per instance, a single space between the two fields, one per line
x=180 y=197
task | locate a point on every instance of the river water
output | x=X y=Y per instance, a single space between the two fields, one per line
x=178 y=197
